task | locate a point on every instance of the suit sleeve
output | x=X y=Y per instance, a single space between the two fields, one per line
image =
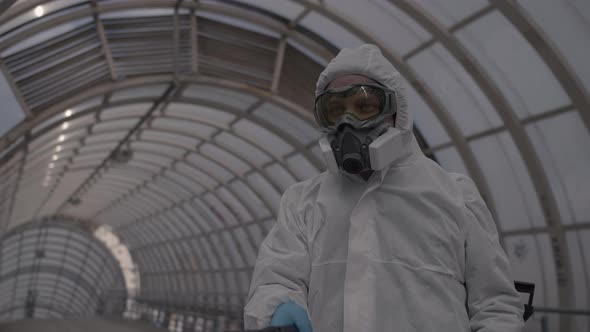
x=493 y=304
x=282 y=269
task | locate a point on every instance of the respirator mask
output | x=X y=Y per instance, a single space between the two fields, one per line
x=359 y=136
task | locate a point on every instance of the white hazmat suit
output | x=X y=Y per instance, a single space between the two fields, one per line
x=414 y=248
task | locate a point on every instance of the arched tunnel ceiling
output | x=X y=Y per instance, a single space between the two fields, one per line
x=213 y=99
x=57 y=269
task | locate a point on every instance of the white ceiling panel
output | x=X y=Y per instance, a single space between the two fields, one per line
x=301 y=167
x=247 y=249
x=188 y=182
x=233 y=250
x=512 y=191
x=566 y=160
x=425 y=120
x=140 y=156
x=330 y=31
x=128 y=110
x=203 y=178
x=279 y=175
x=460 y=95
x=185 y=141
x=219 y=212
x=450 y=160
x=379 y=18
x=234 y=99
x=250 y=198
x=211 y=168
x=234 y=204
x=298 y=129
x=242 y=148
x=248 y=25
x=267 y=192
x=207 y=115
x=94 y=148
x=517 y=69
x=212 y=258
x=31 y=15
x=105 y=137
x=225 y=158
x=143 y=12
x=566 y=23
x=157 y=148
x=263 y=138
x=115 y=125
x=58 y=136
x=137 y=167
x=450 y=12
x=153 y=91
x=204 y=207
x=44 y=36
x=200 y=131
x=285 y=8
x=321 y=60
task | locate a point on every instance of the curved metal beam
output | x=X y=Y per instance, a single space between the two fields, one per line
x=521 y=140
x=106 y=49
x=549 y=53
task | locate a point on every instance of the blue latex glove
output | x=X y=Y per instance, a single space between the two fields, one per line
x=290 y=313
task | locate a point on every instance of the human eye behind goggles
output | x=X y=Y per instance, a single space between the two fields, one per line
x=361 y=101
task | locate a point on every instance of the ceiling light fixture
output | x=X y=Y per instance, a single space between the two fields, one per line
x=39 y=11
x=61 y=138
x=65 y=126
x=68 y=113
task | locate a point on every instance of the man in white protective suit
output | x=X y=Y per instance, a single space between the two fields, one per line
x=385 y=239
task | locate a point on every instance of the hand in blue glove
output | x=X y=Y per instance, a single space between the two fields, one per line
x=290 y=313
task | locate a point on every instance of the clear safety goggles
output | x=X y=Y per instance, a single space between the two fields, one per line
x=364 y=102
